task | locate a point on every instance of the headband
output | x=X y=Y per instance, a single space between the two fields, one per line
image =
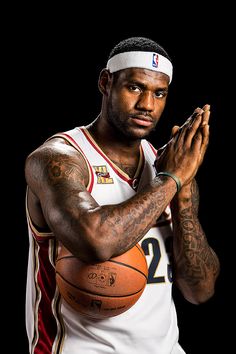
x=145 y=60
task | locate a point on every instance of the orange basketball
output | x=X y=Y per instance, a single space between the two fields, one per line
x=105 y=289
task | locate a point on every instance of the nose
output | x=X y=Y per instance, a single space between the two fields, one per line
x=146 y=101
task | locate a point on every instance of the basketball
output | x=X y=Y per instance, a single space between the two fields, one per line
x=105 y=289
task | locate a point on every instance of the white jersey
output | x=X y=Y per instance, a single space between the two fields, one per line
x=150 y=325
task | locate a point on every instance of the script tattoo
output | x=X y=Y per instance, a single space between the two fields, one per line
x=194 y=258
x=133 y=219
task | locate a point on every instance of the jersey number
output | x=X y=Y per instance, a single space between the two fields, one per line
x=156 y=251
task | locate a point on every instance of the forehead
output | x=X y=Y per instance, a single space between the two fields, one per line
x=144 y=76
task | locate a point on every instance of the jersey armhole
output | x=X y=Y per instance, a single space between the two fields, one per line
x=38 y=234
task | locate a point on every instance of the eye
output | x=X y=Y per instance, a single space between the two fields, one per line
x=160 y=94
x=135 y=88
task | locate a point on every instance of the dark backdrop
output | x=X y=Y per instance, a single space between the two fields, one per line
x=54 y=63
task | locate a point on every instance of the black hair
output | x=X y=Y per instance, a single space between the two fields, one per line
x=141 y=44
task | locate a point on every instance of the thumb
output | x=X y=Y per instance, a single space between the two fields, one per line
x=174 y=130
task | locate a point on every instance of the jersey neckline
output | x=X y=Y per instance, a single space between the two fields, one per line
x=133 y=182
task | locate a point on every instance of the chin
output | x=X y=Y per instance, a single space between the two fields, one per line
x=139 y=133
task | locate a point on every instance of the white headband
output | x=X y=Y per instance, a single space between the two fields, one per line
x=145 y=60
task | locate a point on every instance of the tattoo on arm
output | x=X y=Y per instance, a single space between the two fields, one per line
x=58 y=174
x=64 y=170
x=61 y=178
x=194 y=259
x=131 y=220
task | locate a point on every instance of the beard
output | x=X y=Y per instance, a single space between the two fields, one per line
x=120 y=123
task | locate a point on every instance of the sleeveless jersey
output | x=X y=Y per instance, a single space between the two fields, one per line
x=150 y=325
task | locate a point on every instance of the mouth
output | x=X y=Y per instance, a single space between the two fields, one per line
x=142 y=120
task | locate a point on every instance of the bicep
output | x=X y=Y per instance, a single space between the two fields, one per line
x=58 y=175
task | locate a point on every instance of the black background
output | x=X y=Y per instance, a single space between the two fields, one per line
x=52 y=66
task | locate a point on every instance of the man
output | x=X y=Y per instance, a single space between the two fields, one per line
x=99 y=190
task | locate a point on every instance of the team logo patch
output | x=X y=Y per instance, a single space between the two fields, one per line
x=154 y=60
x=103 y=176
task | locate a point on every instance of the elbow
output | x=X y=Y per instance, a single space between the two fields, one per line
x=97 y=245
x=203 y=291
x=199 y=295
x=82 y=236
x=196 y=293
x=200 y=298
x=95 y=251
x=93 y=245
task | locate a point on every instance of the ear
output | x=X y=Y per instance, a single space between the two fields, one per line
x=104 y=81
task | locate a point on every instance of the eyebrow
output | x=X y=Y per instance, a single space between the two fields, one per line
x=143 y=86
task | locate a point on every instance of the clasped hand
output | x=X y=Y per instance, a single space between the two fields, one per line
x=184 y=152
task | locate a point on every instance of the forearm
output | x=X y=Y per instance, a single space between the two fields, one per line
x=130 y=220
x=90 y=231
x=110 y=230
x=196 y=265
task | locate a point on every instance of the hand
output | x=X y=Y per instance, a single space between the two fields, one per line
x=185 y=151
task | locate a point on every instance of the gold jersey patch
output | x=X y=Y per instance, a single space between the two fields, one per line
x=103 y=176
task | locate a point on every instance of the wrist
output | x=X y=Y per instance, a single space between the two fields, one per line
x=173 y=177
x=183 y=199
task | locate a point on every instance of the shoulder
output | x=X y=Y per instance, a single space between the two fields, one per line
x=47 y=151
x=55 y=153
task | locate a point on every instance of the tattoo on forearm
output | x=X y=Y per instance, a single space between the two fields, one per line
x=123 y=224
x=194 y=258
x=195 y=196
x=134 y=218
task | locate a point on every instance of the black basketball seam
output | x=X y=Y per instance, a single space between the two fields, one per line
x=129 y=266
x=91 y=293
x=58 y=259
x=141 y=251
x=113 y=261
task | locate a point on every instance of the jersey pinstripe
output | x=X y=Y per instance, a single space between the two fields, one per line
x=150 y=326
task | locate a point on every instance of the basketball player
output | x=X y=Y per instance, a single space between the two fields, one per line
x=101 y=188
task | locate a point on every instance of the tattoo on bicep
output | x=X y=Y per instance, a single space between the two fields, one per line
x=64 y=169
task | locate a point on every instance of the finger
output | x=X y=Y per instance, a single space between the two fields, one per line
x=174 y=130
x=205 y=137
x=206 y=115
x=192 y=117
x=206 y=107
x=188 y=124
x=204 y=145
x=197 y=111
x=197 y=143
x=193 y=130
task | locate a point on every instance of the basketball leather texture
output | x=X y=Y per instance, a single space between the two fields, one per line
x=104 y=289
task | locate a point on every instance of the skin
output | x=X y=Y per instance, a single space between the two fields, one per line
x=57 y=176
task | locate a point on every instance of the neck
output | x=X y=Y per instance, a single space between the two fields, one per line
x=108 y=137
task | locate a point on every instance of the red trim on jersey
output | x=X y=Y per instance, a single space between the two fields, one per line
x=105 y=157
x=46 y=285
x=91 y=170
x=128 y=180
x=153 y=149
x=40 y=236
